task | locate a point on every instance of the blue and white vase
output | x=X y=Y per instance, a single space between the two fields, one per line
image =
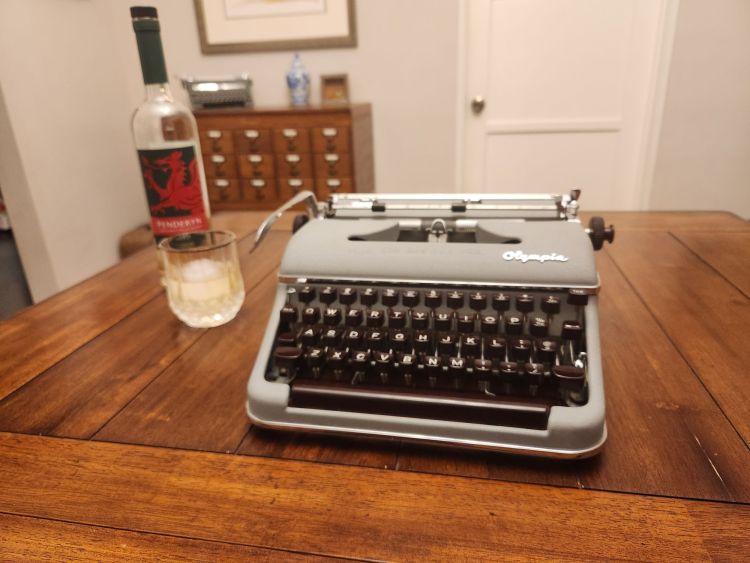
x=298 y=80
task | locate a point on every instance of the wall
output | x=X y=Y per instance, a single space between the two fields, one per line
x=72 y=183
x=703 y=160
x=404 y=64
x=71 y=78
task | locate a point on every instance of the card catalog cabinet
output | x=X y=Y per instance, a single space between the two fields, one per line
x=257 y=159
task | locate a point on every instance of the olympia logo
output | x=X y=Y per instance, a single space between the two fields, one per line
x=521 y=256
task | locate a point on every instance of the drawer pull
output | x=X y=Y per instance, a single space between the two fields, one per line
x=289 y=133
x=332 y=158
x=217 y=159
x=258 y=184
x=221 y=184
x=214 y=134
x=333 y=183
x=294 y=183
x=293 y=158
x=252 y=133
x=255 y=158
x=330 y=132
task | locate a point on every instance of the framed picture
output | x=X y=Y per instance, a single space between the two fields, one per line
x=334 y=89
x=232 y=26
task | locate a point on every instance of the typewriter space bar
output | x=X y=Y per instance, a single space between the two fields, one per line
x=454 y=408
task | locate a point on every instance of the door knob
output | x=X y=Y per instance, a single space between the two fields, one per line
x=477 y=104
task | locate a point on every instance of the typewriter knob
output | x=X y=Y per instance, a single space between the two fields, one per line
x=598 y=233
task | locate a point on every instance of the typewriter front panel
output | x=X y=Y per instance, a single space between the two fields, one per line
x=489 y=252
x=514 y=368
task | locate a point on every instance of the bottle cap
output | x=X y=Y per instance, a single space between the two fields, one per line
x=143 y=12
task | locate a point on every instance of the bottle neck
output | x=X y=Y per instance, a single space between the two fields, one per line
x=158 y=90
x=150 y=51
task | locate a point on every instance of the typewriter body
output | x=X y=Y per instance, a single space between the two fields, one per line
x=468 y=320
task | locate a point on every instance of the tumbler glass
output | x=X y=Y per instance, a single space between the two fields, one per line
x=202 y=276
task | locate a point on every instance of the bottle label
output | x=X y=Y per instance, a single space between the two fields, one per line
x=173 y=189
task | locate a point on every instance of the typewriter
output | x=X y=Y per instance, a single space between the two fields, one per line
x=468 y=320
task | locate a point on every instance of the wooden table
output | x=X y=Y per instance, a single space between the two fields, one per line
x=123 y=432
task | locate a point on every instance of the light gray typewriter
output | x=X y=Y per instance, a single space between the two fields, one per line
x=468 y=320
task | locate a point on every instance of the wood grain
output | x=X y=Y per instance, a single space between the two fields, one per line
x=40 y=336
x=727 y=253
x=325 y=449
x=77 y=396
x=198 y=402
x=35 y=539
x=351 y=511
x=655 y=407
x=704 y=316
x=712 y=221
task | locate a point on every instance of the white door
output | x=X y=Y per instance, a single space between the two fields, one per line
x=572 y=94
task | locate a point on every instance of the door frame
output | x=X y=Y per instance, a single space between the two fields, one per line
x=656 y=90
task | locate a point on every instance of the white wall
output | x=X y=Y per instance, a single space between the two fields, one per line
x=69 y=71
x=404 y=64
x=72 y=185
x=703 y=159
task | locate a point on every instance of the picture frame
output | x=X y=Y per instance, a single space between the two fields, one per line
x=334 y=89
x=236 y=26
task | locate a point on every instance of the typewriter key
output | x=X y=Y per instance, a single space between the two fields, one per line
x=309 y=336
x=311 y=315
x=397 y=319
x=328 y=295
x=331 y=337
x=470 y=346
x=525 y=303
x=443 y=321
x=494 y=348
x=289 y=314
x=287 y=359
x=383 y=365
x=521 y=349
x=406 y=365
x=314 y=359
x=375 y=318
x=578 y=297
x=489 y=324
x=433 y=299
x=369 y=297
x=348 y=296
x=390 y=298
x=539 y=327
x=376 y=339
x=513 y=325
x=354 y=317
x=399 y=340
x=306 y=294
x=419 y=320
x=501 y=302
x=455 y=299
x=353 y=337
x=332 y=316
x=446 y=345
x=410 y=298
x=545 y=351
x=423 y=342
x=477 y=301
x=456 y=371
x=465 y=323
x=551 y=305
x=286 y=339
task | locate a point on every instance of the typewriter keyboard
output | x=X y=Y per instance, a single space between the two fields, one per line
x=468 y=355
